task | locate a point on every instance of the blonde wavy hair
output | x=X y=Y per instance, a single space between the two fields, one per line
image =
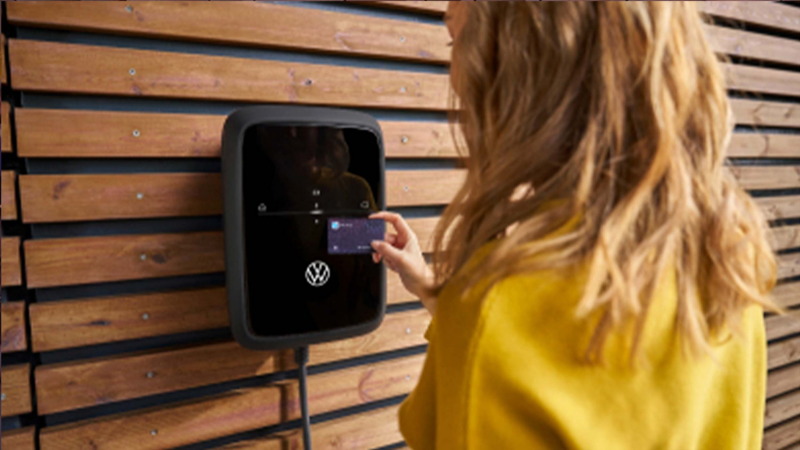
x=617 y=114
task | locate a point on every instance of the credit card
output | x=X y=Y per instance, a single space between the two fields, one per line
x=353 y=236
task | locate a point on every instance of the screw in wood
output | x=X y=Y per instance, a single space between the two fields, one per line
x=132 y=71
x=308 y=82
x=402 y=38
x=404 y=139
x=153 y=432
x=128 y=8
x=2 y=397
x=403 y=90
x=136 y=133
x=408 y=330
x=143 y=256
x=150 y=374
x=405 y=188
x=145 y=316
x=139 y=195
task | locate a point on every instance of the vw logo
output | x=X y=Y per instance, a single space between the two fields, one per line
x=317 y=273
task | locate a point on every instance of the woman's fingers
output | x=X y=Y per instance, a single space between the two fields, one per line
x=404 y=232
x=391 y=255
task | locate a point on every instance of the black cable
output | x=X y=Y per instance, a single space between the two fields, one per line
x=301 y=358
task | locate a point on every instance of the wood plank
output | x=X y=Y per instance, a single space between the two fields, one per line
x=12 y=318
x=64 y=198
x=19 y=439
x=69 y=197
x=762 y=113
x=784 y=352
x=242 y=23
x=759 y=79
x=8 y=185
x=16 y=390
x=782 y=436
x=787 y=294
x=782 y=408
x=753 y=45
x=85 y=69
x=770 y=14
x=62 y=387
x=371 y=429
x=71 y=261
x=5 y=128
x=50 y=133
x=764 y=145
x=436 y=8
x=74 y=323
x=767 y=177
x=238 y=411
x=788 y=265
x=783 y=380
x=783 y=207
x=786 y=237
x=10 y=268
x=782 y=326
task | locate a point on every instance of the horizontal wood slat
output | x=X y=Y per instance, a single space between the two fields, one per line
x=57 y=198
x=753 y=45
x=783 y=435
x=783 y=380
x=67 y=386
x=73 y=323
x=770 y=14
x=63 y=198
x=8 y=197
x=50 y=133
x=786 y=237
x=764 y=145
x=758 y=79
x=757 y=112
x=782 y=353
x=12 y=326
x=767 y=177
x=372 y=429
x=787 y=294
x=10 y=269
x=788 y=265
x=782 y=326
x=782 y=408
x=5 y=127
x=242 y=23
x=782 y=207
x=55 y=67
x=238 y=411
x=16 y=389
x=19 y=439
x=436 y=8
x=70 y=261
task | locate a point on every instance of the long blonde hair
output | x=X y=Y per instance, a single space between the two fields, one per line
x=616 y=113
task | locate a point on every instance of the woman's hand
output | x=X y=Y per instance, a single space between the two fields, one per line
x=402 y=254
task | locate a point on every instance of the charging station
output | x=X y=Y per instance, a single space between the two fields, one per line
x=299 y=183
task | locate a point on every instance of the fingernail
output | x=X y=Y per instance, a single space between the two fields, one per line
x=375 y=244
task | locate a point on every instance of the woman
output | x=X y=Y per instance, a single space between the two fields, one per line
x=599 y=280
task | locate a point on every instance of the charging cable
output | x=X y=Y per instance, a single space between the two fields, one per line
x=301 y=358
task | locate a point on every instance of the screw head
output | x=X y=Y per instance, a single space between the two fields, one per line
x=136 y=133
x=139 y=195
x=153 y=432
x=403 y=90
x=408 y=330
x=408 y=377
x=402 y=38
x=405 y=188
x=145 y=316
x=2 y=396
x=308 y=82
x=143 y=256
x=132 y=71
x=128 y=8
x=404 y=139
x=150 y=374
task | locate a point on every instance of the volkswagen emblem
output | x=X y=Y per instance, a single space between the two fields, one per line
x=317 y=273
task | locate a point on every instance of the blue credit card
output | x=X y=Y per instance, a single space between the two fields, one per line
x=353 y=236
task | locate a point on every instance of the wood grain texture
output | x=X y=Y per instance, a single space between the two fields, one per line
x=753 y=45
x=12 y=326
x=64 y=198
x=762 y=113
x=8 y=186
x=49 y=133
x=71 y=261
x=372 y=429
x=767 y=177
x=782 y=436
x=783 y=352
x=782 y=408
x=242 y=23
x=786 y=237
x=73 y=385
x=74 y=323
x=19 y=439
x=16 y=390
x=769 y=14
x=55 y=67
x=782 y=326
x=788 y=265
x=68 y=197
x=433 y=7
x=787 y=294
x=759 y=79
x=5 y=128
x=783 y=207
x=10 y=268
x=764 y=145
x=238 y=411
x=783 y=380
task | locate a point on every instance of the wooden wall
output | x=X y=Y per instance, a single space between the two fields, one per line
x=114 y=321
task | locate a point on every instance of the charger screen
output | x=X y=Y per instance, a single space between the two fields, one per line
x=352 y=236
